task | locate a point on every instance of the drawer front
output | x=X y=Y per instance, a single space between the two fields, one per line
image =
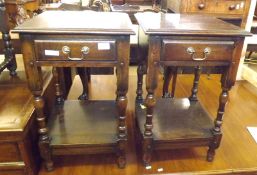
x=199 y=6
x=190 y=50
x=230 y=7
x=9 y=153
x=75 y=50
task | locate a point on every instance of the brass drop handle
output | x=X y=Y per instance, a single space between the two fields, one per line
x=191 y=51
x=232 y=7
x=201 y=6
x=66 y=50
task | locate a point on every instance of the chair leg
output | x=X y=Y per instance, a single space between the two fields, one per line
x=169 y=73
x=167 y=78
x=174 y=82
x=9 y=54
x=194 y=90
x=250 y=54
x=83 y=74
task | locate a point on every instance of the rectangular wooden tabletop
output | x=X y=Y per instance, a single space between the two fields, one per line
x=185 y=24
x=79 y=22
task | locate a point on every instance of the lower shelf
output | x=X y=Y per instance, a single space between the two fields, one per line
x=83 y=127
x=177 y=123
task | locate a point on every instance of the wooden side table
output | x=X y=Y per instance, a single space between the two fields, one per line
x=78 y=39
x=185 y=41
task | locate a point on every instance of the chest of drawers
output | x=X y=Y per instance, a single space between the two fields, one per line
x=225 y=9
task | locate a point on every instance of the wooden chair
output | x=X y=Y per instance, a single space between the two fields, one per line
x=10 y=60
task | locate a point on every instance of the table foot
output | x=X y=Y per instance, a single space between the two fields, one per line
x=83 y=96
x=49 y=166
x=121 y=162
x=210 y=154
x=166 y=95
x=13 y=73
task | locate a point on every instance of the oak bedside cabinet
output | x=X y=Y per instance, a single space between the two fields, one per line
x=183 y=41
x=78 y=39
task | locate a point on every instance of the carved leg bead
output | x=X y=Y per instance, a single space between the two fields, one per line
x=217 y=125
x=148 y=140
x=44 y=140
x=9 y=54
x=139 y=91
x=58 y=89
x=150 y=102
x=122 y=131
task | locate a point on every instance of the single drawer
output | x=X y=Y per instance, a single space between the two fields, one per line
x=200 y=50
x=75 y=50
x=199 y=6
x=230 y=7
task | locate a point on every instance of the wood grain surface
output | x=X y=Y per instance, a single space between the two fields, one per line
x=236 y=155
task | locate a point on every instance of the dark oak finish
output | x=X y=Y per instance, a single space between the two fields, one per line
x=20 y=10
x=218 y=50
x=54 y=29
x=186 y=40
x=231 y=10
x=10 y=61
x=75 y=49
x=193 y=96
x=89 y=135
x=187 y=123
x=19 y=153
x=233 y=156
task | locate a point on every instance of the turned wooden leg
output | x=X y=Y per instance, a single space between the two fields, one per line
x=44 y=140
x=217 y=123
x=122 y=69
x=10 y=59
x=148 y=134
x=194 y=90
x=122 y=132
x=58 y=89
x=151 y=85
x=83 y=74
x=35 y=83
x=140 y=74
